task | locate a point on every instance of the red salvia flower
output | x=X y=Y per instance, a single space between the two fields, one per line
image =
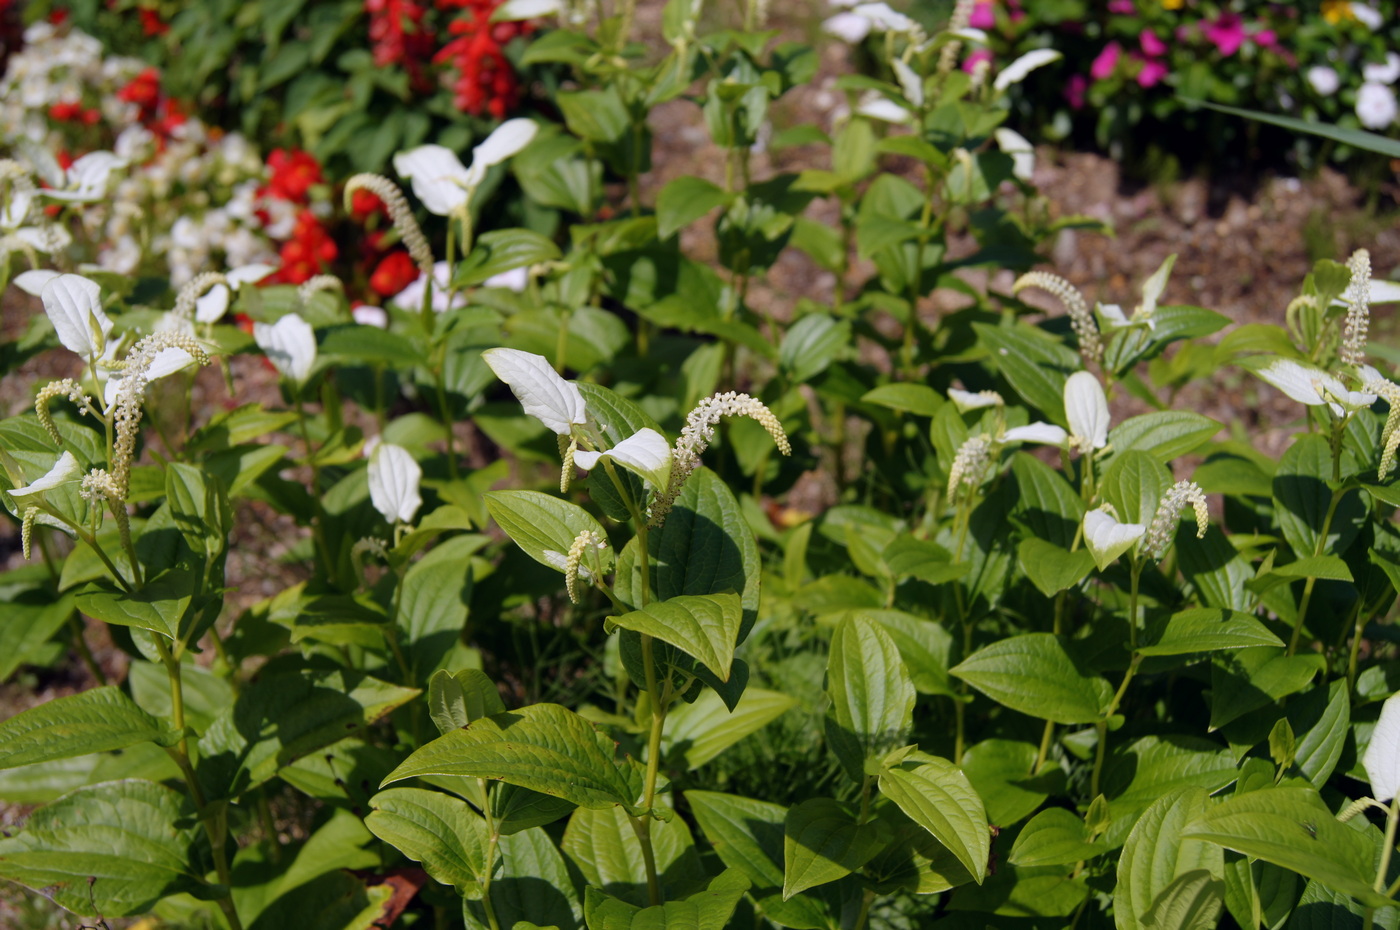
x=293 y=174
x=396 y=272
x=307 y=253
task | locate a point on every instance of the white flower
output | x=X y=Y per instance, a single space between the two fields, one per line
x=1382 y=758
x=394 y=479
x=1086 y=408
x=556 y=403
x=1016 y=72
x=1324 y=80
x=290 y=344
x=166 y=362
x=1107 y=539
x=1044 y=433
x=366 y=315
x=514 y=10
x=973 y=400
x=32 y=282
x=508 y=139
x=645 y=452
x=74 y=305
x=850 y=28
x=1021 y=151
x=910 y=83
x=1387 y=73
x=885 y=19
x=64 y=471
x=86 y=179
x=1367 y=16
x=514 y=280
x=440 y=180
x=1312 y=386
x=1375 y=105
x=411 y=297
x=882 y=108
x=211 y=307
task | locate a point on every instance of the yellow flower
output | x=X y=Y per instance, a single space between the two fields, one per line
x=1173 y=4
x=1334 y=11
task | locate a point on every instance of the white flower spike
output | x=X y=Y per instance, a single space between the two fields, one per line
x=1107 y=539
x=74 y=305
x=394 y=479
x=646 y=452
x=290 y=344
x=556 y=403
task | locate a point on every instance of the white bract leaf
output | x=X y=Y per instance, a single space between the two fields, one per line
x=884 y=18
x=556 y=403
x=646 y=452
x=394 y=478
x=1107 y=539
x=883 y=108
x=1303 y=383
x=64 y=471
x=86 y=179
x=16 y=209
x=1086 y=408
x=1112 y=316
x=850 y=28
x=1021 y=151
x=1382 y=759
x=290 y=344
x=515 y=280
x=1016 y=72
x=1385 y=292
x=909 y=82
x=439 y=178
x=367 y=315
x=211 y=306
x=973 y=400
x=166 y=362
x=516 y=10
x=74 y=305
x=248 y=274
x=1045 y=433
x=32 y=282
x=1153 y=288
x=969 y=34
x=508 y=139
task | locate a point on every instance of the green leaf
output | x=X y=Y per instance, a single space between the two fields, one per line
x=1035 y=364
x=1050 y=509
x=872 y=696
x=1356 y=138
x=1164 y=434
x=918 y=399
x=705 y=910
x=198 y=507
x=703 y=626
x=1134 y=483
x=1251 y=678
x=811 y=344
x=160 y=606
x=1293 y=828
x=517 y=809
x=503 y=250
x=603 y=845
x=1053 y=837
x=1053 y=569
x=1152 y=767
x=335 y=899
x=1033 y=674
x=543 y=747
x=1155 y=855
x=685 y=200
x=822 y=842
x=696 y=733
x=1302 y=499
x=999 y=770
x=534 y=885
x=369 y=345
x=1208 y=630
x=99 y=720
x=438 y=830
x=141 y=838
x=456 y=699
x=434 y=603
x=937 y=796
x=1192 y=902
x=544 y=526
x=31 y=619
x=918 y=558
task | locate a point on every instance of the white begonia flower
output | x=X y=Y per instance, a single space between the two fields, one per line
x=394 y=479
x=443 y=183
x=290 y=344
x=1107 y=539
x=1016 y=72
x=1313 y=386
x=74 y=305
x=1387 y=73
x=646 y=452
x=1324 y=80
x=1021 y=151
x=1382 y=758
x=1086 y=409
x=1376 y=106
x=1367 y=16
x=556 y=403
x=86 y=179
x=973 y=400
x=32 y=282
x=64 y=471
x=850 y=28
x=213 y=304
x=1044 y=433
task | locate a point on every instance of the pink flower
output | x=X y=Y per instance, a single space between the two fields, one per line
x=982 y=17
x=1108 y=60
x=975 y=58
x=1266 y=38
x=1152 y=72
x=1152 y=46
x=1226 y=32
x=1122 y=7
x=1075 y=89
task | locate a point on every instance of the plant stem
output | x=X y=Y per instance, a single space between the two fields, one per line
x=318 y=517
x=864 y=914
x=84 y=651
x=493 y=837
x=1045 y=740
x=1133 y=605
x=1102 y=725
x=1308 y=585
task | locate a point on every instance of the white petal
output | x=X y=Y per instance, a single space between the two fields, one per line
x=1385 y=292
x=1046 y=433
x=646 y=452
x=1107 y=539
x=74 y=304
x=394 y=478
x=439 y=178
x=514 y=280
x=1382 y=758
x=248 y=274
x=509 y=138
x=1021 y=151
x=884 y=18
x=87 y=177
x=882 y=108
x=556 y=403
x=371 y=316
x=290 y=344
x=1086 y=408
x=909 y=82
x=850 y=28
x=969 y=34
x=1154 y=286
x=1016 y=72
x=1112 y=315
x=64 y=470
x=515 y=10
x=1303 y=383
x=211 y=306
x=167 y=361
x=973 y=400
x=32 y=282
x=17 y=208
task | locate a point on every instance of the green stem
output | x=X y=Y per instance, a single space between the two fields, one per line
x=1102 y=725
x=1392 y=819
x=1308 y=585
x=84 y=651
x=318 y=517
x=864 y=914
x=1046 y=739
x=1133 y=605
x=493 y=836
x=1359 y=628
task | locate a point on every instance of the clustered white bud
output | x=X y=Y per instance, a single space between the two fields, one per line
x=573 y=563
x=400 y=212
x=970 y=463
x=1358 y=298
x=1390 y=435
x=1085 y=330
x=1163 y=528
x=66 y=387
x=566 y=474
x=315 y=284
x=696 y=437
x=135 y=369
x=193 y=290
x=962 y=15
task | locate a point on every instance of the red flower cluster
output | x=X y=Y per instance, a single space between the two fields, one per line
x=144 y=91
x=485 y=83
x=152 y=24
x=394 y=273
x=308 y=253
x=399 y=35
x=293 y=173
x=72 y=112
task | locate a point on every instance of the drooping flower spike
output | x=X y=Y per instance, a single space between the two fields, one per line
x=1085 y=330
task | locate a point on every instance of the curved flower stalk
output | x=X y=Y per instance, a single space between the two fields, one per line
x=1358 y=301
x=399 y=212
x=205 y=297
x=1085 y=330
x=586 y=543
x=315 y=285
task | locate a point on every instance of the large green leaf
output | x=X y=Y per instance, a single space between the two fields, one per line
x=1034 y=674
x=160 y=606
x=1033 y=363
x=502 y=250
x=1293 y=828
x=1248 y=678
x=1208 y=630
x=937 y=796
x=32 y=617
x=696 y=733
x=543 y=747
x=1000 y=772
x=1302 y=499
x=1155 y=855
x=1050 y=568
x=1054 y=837
x=705 y=910
x=1191 y=902
x=434 y=602
x=823 y=842
x=99 y=720
x=534 y=885
x=704 y=626
x=1050 y=509
x=1134 y=483
x=685 y=200
x=438 y=830
x=333 y=901
x=1163 y=434
x=139 y=838
x=455 y=700
x=544 y=526
x=872 y=696
x=603 y=845
x=1154 y=766
x=1356 y=138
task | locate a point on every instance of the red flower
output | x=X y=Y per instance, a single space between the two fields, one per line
x=307 y=253
x=152 y=24
x=485 y=81
x=144 y=91
x=293 y=174
x=364 y=204
x=71 y=110
x=396 y=272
